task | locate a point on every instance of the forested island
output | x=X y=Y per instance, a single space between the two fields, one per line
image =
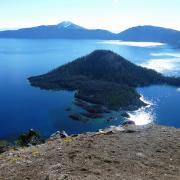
x=103 y=78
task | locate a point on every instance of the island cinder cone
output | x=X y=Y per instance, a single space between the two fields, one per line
x=103 y=77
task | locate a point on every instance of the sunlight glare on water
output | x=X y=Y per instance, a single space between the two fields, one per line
x=137 y=44
x=142 y=116
x=162 y=65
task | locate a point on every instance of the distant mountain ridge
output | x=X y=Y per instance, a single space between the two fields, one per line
x=63 y=30
x=150 y=34
x=69 y=30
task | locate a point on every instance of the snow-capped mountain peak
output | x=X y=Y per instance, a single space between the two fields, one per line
x=68 y=25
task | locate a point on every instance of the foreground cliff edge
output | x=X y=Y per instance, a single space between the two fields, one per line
x=147 y=153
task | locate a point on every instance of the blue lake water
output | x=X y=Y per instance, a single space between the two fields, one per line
x=23 y=107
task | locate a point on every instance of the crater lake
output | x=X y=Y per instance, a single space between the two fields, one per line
x=23 y=107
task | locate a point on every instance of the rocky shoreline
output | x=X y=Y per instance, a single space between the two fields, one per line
x=130 y=152
x=89 y=111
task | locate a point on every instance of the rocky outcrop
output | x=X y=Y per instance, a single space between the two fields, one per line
x=4 y=146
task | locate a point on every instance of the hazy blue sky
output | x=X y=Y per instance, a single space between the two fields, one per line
x=114 y=15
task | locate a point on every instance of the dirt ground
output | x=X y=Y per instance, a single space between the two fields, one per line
x=153 y=153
